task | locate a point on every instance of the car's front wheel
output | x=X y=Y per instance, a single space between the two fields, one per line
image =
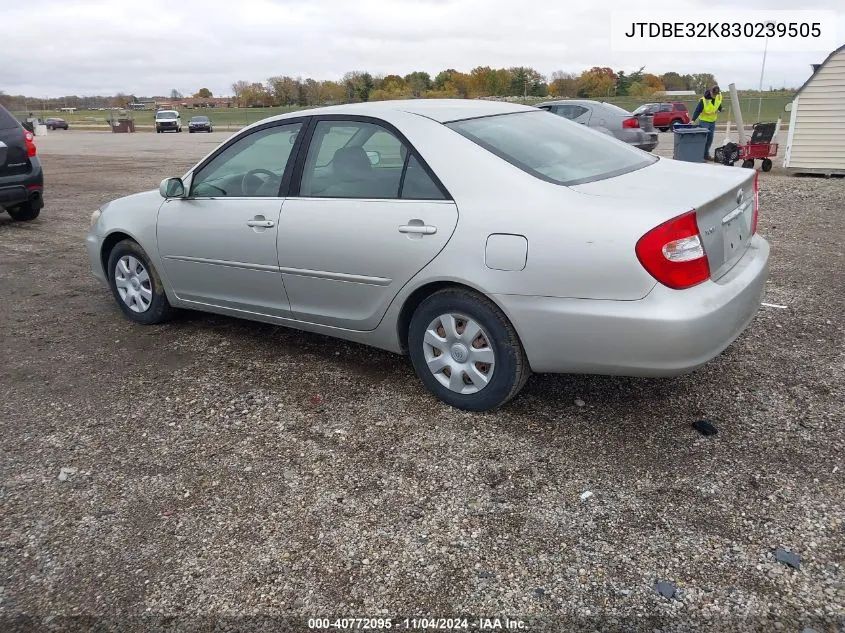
x=465 y=350
x=136 y=286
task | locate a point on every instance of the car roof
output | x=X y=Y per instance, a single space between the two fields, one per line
x=575 y=101
x=440 y=110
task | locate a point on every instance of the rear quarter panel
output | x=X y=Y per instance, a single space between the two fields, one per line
x=578 y=245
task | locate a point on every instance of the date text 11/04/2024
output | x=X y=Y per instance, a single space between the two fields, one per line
x=418 y=624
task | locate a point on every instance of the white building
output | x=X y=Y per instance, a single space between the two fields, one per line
x=816 y=141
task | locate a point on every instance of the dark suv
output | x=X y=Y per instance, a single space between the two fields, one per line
x=21 y=178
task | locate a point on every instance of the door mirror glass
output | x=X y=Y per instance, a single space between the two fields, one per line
x=375 y=157
x=171 y=188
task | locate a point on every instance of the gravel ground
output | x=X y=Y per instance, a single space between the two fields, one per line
x=212 y=471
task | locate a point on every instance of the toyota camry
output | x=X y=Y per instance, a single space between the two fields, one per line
x=485 y=240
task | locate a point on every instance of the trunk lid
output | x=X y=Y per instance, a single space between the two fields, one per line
x=723 y=199
x=13 y=158
x=646 y=121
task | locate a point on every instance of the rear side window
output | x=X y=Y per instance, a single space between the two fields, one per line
x=680 y=107
x=7 y=121
x=552 y=148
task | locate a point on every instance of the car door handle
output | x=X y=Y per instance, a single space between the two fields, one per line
x=264 y=224
x=420 y=229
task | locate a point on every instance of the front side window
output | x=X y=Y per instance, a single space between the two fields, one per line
x=551 y=148
x=356 y=159
x=666 y=108
x=646 y=108
x=252 y=166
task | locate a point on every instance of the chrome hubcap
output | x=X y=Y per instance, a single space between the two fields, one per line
x=133 y=283
x=458 y=353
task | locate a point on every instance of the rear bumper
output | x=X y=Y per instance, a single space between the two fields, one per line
x=667 y=333
x=15 y=190
x=648 y=141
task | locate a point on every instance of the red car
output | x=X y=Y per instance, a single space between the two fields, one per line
x=666 y=115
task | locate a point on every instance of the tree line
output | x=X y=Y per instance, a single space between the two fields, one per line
x=483 y=81
x=356 y=86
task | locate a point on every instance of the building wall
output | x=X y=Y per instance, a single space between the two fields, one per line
x=817 y=134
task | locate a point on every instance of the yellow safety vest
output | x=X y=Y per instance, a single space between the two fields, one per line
x=710 y=110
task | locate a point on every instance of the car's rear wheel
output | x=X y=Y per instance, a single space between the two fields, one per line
x=674 y=123
x=465 y=350
x=25 y=212
x=136 y=286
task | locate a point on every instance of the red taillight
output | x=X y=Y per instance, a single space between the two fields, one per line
x=30 y=143
x=632 y=122
x=754 y=216
x=672 y=253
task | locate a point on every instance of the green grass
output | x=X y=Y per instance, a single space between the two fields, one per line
x=236 y=118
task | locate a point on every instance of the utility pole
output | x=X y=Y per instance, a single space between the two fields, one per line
x=762 y=70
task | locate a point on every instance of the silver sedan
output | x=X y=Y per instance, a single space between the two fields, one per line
x=608 y=118
x=485 y=240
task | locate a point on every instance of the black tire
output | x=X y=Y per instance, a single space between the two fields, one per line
x=748 y=163
x=510 y=368
x=663 y=129
x=190 y=131
x=767 y=164
x=50 y=127
x=159 y=309
x=674 y=123
x=158 y=131
x=25 y=212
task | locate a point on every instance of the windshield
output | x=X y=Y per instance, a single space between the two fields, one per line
x=166 y=115
x=551 y=148
x=199 y=119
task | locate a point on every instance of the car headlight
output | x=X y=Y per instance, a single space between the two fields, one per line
x=94 y=217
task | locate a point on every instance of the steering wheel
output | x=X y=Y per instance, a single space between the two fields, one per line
x=246 y=189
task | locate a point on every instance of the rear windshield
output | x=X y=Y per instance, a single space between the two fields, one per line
x=552 y=148
x=166 y=115
x=7 y=121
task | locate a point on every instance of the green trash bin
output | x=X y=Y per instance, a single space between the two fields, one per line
x=690 y=141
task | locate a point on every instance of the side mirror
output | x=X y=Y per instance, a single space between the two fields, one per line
x=171 y=188
x=375 y=157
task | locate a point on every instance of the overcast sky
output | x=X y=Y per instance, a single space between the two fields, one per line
x=148 y=47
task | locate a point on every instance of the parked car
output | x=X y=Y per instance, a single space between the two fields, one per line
x=572 y=252
x=199 y=124
x=54 y=123
x=21 y=178
x=634 y=129
x=666 y=115
x=168 y=120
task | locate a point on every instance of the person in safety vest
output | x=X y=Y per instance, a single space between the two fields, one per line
x=706 y=112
